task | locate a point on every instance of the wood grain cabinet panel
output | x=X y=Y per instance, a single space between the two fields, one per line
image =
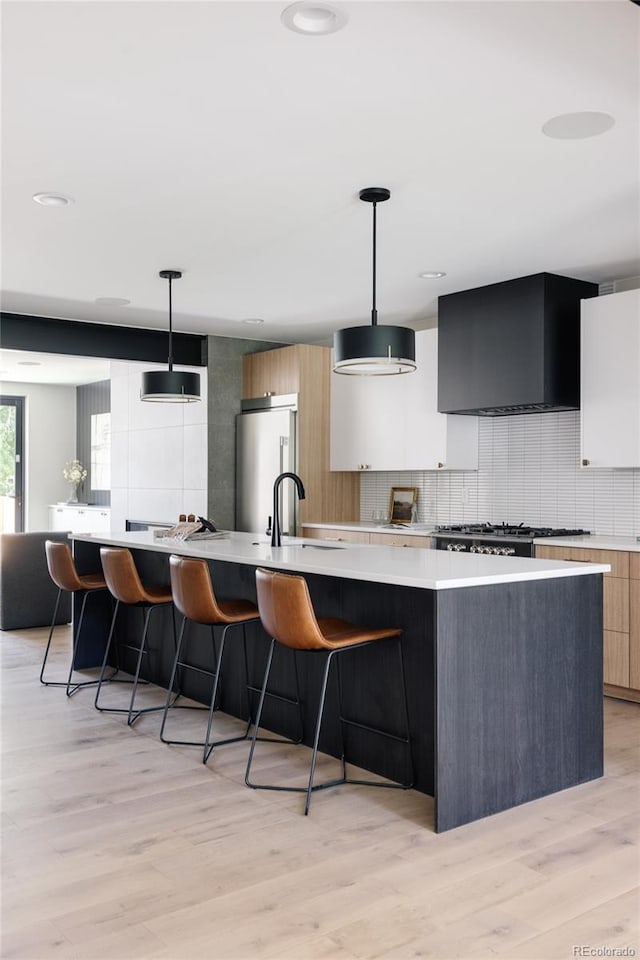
x=616 y=604
x=355 y=536
x=334 y=533
x=304 y=369
x=616 y=658
x=270 y=372
x=399 y=540
x=621 y=614
x=634 y=622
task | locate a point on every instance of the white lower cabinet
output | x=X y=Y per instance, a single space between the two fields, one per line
x=392 y=423
x=79 y=519
x=610 y=380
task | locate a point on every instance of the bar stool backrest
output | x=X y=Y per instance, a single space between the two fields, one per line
x=192 y=590
x=121 y=575
x=286 y=610
x=62 y=569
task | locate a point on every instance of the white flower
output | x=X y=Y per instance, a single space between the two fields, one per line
x=74 y=472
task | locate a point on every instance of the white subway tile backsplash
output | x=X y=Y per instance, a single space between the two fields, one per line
x=528 y=471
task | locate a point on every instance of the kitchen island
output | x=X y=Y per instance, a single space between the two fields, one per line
x=503 y=658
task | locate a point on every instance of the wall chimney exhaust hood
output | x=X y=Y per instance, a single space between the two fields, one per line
x=511 y=347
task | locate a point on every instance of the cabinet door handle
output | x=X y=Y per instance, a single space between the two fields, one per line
x=585 y=463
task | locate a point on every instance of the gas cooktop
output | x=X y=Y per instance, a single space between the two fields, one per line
x=507 y=530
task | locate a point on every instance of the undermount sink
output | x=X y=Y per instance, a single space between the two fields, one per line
x=306 y=546
x=318 y=546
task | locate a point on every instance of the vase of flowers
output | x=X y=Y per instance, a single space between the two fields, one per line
x=75 y=474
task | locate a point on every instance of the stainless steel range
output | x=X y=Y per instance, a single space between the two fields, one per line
x=505 y=539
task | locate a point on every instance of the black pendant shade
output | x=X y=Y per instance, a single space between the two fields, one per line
x=170 y=386
x=374 y=350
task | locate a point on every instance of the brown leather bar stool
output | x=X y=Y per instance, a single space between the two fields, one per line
x=125 y=586
x=195 y=598
x=287 y=614
x=62 y=571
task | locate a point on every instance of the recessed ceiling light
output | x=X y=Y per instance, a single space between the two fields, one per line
x=578 y=126
x=255 y=320
x=29 y=363
x=312 y=18
x=112 y=301
x=52 y=199
x=432 y=274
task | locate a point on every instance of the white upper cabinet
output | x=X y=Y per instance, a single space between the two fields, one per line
x=610 y=380
x=392 y=423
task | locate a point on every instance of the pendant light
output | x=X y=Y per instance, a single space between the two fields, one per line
x=170 y=386
x=374 y=350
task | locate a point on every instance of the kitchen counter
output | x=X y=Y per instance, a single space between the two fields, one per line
x=502 y=656
x=424 y=569
x=368 y=526
x=593 y=541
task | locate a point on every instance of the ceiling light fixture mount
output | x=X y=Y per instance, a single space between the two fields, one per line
x=170 y=386
x=313 y=17
x=374 y=350
x=578 y=126
x=52 y=199
x=112 y=301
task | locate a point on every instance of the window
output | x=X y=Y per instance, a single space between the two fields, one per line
x=100 y=451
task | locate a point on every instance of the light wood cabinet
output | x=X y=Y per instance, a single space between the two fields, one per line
x=610 y=380
x=634 y=621
x=333 y=533
x=399 y=540
x=621 y=614
x=392 y=423
x=390 y=539
x=304 y=369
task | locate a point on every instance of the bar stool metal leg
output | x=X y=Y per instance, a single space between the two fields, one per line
x=70 y=687
x=135 y=681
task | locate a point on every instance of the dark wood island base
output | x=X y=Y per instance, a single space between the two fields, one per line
x=504 y=681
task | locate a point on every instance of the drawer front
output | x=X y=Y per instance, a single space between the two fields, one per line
x=618 y=560
x=399 y=540
x=333 y=533
x=634 y=633
x=634 y=566
x=616 y=658
x=616 y=605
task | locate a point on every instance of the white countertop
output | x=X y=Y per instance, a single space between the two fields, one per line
x=368 y=526
x=83 y=506
x=422 y=568
x=594 y=541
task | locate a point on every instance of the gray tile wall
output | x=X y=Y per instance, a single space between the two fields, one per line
x=529 y=471
x=225 y=393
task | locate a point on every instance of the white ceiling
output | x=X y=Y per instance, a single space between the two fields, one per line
x=206 y=137
x=33 y=367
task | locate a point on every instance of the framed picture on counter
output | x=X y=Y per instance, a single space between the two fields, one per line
x=402 y=503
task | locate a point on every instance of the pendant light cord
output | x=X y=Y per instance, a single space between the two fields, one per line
x=170 y=329
x=374 y=312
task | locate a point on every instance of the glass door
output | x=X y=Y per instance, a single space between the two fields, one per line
x=11 y=464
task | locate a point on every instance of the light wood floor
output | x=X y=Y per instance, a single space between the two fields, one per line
x=117 y=846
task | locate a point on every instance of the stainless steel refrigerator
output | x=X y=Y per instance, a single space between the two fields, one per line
x=265 y=447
